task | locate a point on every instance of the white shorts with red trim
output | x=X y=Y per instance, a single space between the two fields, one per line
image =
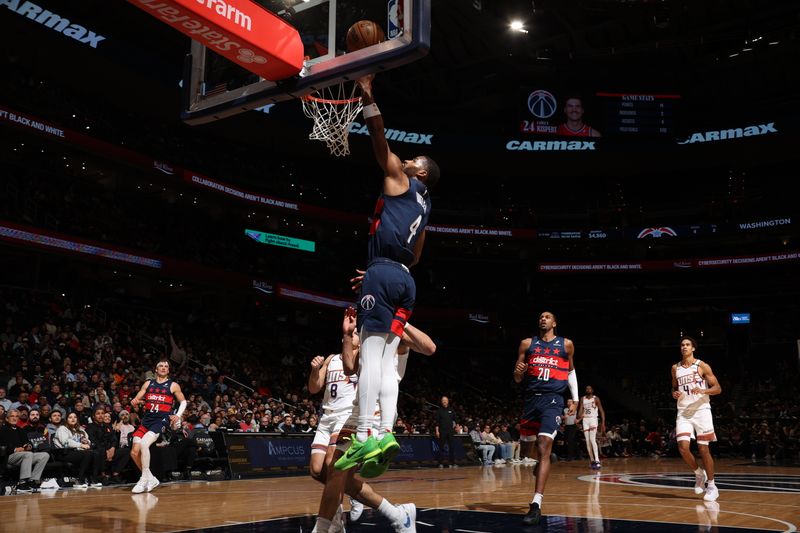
x=695 y=425
x=328 y=431
x=589 y=424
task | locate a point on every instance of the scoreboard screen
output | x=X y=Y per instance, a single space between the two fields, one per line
x=650 y=115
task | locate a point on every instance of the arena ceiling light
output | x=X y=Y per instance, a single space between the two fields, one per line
x=518 y=26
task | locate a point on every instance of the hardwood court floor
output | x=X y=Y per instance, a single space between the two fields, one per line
x=640 y=494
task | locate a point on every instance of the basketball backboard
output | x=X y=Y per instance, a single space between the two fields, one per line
x=215 y=88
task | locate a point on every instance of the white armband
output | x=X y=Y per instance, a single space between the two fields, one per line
x=371 y=110
x=572 y=380
x=182 y=408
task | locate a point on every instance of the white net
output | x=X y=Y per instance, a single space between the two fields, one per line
x=333 y=109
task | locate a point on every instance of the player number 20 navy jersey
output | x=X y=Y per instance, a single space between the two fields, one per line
x=548 y=366
x=398 y=222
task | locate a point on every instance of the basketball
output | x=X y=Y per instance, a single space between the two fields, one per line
x=362 y=34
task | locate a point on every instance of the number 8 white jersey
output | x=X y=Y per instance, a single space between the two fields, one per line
x=340 y=390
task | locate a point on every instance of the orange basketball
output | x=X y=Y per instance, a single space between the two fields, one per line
x=362 y=34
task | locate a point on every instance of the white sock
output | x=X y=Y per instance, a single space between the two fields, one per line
x=390 y=389
x=387 y=510
x=699 y=471
x=711 y=483
x=537 y=498
x=322 y=525
x=146 y=473
x=369 y=380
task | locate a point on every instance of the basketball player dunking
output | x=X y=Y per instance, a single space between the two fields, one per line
x=588 y=408
x=692 y=384
x=388 y=292
x=545 y=364
x=402 y=517
x=159 y=401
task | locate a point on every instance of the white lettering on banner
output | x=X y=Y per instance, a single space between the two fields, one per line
x=31 y=123
x=731 y=133
x=229 y=12
x=195 y=27
x=283 y=449
x=549 y=146
x=748 y=260
x=596 y=266
x=454 y=230
x=54 y=22
x=395 y=135
x=203 y=182
x=766 y=223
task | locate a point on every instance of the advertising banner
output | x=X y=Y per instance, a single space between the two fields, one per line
x=263 y=454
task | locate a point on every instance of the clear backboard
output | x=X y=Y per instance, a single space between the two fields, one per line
x=215 y=88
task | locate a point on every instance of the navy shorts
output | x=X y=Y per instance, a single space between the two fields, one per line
x=155 y=424
x=387 y=297
x=541 y=414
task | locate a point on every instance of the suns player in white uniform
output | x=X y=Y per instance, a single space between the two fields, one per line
x=692 y=384
x=337 y=404
x=588 y=408
x=338 y=482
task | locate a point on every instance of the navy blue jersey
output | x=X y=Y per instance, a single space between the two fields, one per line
x=548 y=366
x=158 y=399
x=397 y=223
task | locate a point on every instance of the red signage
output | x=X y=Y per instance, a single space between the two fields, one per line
x=240 y=30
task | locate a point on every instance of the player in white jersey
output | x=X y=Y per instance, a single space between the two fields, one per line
x=588 y=408
x=692 y=384
x=337 y=404
x=338 y=482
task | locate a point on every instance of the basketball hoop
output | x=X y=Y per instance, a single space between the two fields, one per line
x=333 y=109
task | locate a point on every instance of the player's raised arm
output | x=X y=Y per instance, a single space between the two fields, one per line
x=316 y=378
x=395 y=181
x=349 y=342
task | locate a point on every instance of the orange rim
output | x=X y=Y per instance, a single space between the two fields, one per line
x=329 y=101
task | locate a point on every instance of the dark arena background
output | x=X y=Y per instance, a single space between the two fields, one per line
x=136 y=224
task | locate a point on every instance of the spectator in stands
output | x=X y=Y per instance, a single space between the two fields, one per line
x=287 y=426
x=31 y=464
x=4 y=402
x=484 y=448
x=247 y=423
x=22 y=399
x=506 y=437
x=24 y=413
x=81 y=412
x=54 y=422
x=75 y=448
x=123 y=428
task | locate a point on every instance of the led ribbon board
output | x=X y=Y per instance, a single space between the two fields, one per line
x=281 y=240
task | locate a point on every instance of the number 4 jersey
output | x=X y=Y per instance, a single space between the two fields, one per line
x=548 y=366
x=340 y=390
x=397 y=223
x=689 y=378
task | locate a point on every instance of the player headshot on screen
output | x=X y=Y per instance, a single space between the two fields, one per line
x=574 y=126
